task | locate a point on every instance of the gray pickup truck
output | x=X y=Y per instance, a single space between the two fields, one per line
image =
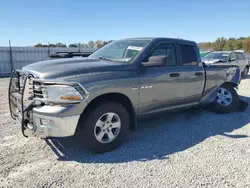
x=99 y=98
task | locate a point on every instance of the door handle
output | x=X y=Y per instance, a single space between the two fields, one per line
x=174 y=75
x=199 y=73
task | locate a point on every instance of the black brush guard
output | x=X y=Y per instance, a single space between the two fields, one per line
x=17 y=108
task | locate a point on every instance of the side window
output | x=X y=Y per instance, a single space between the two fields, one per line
x=164 y=49
x=232 y=55
x=240 y=56
x=188 y=55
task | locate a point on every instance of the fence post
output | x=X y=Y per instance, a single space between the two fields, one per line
x=48 y=49
x=11 y=59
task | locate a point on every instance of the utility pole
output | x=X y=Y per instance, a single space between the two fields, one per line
x=11 y=59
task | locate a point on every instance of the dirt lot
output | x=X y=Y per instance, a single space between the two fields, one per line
x=193 y=149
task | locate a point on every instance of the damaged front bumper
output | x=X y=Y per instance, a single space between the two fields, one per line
x=49 y=126
x=38 y=117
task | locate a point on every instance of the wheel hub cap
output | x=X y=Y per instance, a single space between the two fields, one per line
x=224 y=97
x=107 y=127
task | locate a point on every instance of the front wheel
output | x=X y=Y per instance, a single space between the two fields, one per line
x=104 y=128
x=227 y=100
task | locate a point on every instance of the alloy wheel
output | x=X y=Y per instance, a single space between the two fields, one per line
x=107 y=127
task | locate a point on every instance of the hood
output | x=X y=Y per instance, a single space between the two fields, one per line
x=71 y=66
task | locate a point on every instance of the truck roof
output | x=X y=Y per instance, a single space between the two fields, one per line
x=164 y=38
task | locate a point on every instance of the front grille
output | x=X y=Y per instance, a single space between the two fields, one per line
x=38 y=90
x=35 y=90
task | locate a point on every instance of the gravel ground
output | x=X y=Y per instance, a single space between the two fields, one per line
x=191 y=149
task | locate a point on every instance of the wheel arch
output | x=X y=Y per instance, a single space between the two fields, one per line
x=230 y=107
x=113 y=97
x=229 y=84
x=210 y=97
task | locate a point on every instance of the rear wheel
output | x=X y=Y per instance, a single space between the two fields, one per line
x=227 y=100
x=104 y=128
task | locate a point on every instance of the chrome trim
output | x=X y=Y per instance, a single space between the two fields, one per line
x=58 y=101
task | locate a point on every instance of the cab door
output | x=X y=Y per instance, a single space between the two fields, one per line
x=160 y=86
x=193 y=76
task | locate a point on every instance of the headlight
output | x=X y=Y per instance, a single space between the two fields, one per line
x=62 y=92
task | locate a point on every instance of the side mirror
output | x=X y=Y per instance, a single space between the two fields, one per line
x=232 y=59
x=156 y=61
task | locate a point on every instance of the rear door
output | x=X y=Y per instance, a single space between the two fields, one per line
x=192 y=71
x=160 y=86
x=242 y=63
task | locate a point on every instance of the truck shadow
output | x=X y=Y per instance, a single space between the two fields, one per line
x=160 y=136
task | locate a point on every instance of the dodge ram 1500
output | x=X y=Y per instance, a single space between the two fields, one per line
x=99 y=98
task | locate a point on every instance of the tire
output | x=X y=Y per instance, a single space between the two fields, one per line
x=93 y=126
x=226 y=105
x=245 y=72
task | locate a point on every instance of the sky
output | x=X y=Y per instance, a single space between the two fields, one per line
x=28 y=22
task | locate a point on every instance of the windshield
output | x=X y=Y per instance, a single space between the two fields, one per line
x=120 y=50
x=213 y=56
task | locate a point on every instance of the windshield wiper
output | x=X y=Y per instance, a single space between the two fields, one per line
x=104 y=58
x=114 y=60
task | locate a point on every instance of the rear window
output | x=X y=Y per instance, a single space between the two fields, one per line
x=188 y=55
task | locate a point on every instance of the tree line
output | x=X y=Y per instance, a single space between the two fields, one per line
x=221 y=43
x=90 y=44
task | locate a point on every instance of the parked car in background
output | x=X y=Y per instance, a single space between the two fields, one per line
x=233 y=57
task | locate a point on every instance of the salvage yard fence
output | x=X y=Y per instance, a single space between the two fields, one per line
x=17 y=57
